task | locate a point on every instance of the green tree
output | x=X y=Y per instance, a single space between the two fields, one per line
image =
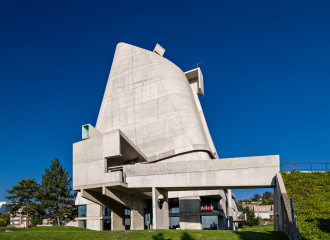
x=270 y=200
x=55 y=193
x=265 y=202
x=2 y=222
x=5 y=216
x=268 y=194
x=256 y=197
x=22 y=195
x=252 y=220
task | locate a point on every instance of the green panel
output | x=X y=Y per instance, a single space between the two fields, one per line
x=85 y=131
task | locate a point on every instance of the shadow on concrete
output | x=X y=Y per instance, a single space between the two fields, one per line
x=322 y=224
x=184 y=236
x=270 y=235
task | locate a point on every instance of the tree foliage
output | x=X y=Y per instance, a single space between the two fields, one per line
x=256 y=197
x=265 y=202
x=6 y=217
x=22 y=196
x=55 y=194
x=270 y=200
x=252 y=220
x=268 y=195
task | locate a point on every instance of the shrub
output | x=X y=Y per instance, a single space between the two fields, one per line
x=34 y=221
x=270 y=200
x=3 y=222
x=252 y=220
x=265 y=202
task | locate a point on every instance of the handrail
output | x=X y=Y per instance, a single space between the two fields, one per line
x=306 y=169
x=293 y=216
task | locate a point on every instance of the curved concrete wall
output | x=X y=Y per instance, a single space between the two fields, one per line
x=149 y=98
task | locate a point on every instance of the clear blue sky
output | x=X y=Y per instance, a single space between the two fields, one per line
x=266 y=71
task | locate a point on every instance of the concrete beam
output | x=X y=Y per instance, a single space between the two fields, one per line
x=232 y=173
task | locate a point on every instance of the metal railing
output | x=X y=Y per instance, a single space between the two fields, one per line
x=293 y=216
x=305 y=166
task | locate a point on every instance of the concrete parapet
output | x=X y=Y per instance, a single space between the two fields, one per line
x=283 y=219
x=248 y=172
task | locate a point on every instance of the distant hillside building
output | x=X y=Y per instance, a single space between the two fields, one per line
x=263 y=211
x=18 y=219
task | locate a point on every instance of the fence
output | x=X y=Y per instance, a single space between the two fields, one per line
x=293 y=216
x=305 y=166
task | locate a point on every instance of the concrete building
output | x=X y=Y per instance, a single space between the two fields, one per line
x=263 y=211
x=92 y=215
x=18 y=219
x=151 y=159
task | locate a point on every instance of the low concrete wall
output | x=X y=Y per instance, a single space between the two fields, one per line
x=283 y=219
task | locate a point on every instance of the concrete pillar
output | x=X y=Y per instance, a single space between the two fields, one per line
x=137 y=220
x=276 y=228
x=160 y=216
x=118 y=217
x=230 y=210
x=278 y=207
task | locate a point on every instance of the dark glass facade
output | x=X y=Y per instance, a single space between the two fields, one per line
x=82 y=211
x=173 y=204
x=106 y=224
x=82 y=224
x=147 y=219
x=127 y=220
x=106 y=212
x=210 y=222
x=174 y=222
x=210 y=204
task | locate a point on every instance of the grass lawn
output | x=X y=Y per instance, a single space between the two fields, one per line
x=56 y=233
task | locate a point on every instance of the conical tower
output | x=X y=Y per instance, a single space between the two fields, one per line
x=150 y=99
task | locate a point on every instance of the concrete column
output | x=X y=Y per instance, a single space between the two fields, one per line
x=276 y=228
x=118 y=217
x=230 y=210
x=137 y=220
x=160 y=216
x=278 y=208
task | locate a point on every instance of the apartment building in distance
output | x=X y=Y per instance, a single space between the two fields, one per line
x=19 y=219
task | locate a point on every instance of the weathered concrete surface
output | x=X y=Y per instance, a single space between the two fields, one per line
x=156 y=107
x=249 y=172
x=160 y=216
x=190 y=213
x=134 y=201
x=282 y=211
x=149 y=98
x=159 y=50
x=92 y=156
x=183 y=194
x=230 y=211
x=117 y=209
x=195 y=78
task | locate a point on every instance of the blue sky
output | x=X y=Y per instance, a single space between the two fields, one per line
x=265 y=65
